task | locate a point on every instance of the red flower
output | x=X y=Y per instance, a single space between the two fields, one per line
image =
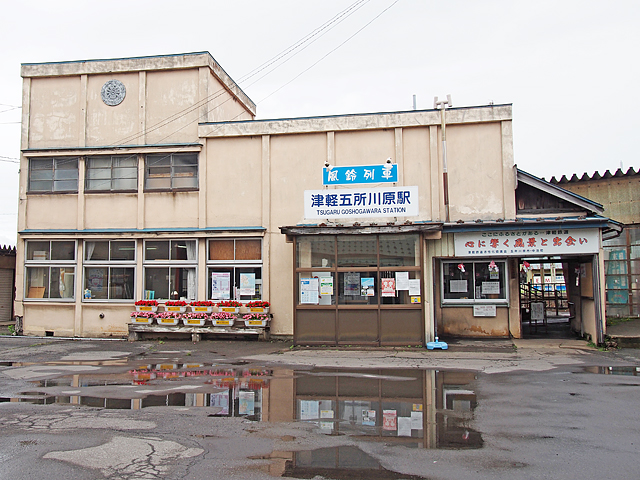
x=147 y=303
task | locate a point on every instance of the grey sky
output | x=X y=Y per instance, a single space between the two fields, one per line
x=570 y=68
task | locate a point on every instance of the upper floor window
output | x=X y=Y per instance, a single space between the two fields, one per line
x=55 y=175
x=111 y=173
x=171 y=171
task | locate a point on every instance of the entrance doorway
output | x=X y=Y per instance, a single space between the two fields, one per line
x=545 y=308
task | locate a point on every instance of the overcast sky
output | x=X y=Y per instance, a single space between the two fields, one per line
x=570 y=68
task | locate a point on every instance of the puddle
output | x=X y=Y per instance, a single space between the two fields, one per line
x=627 y=371
x=344 y=462
x=404 y=407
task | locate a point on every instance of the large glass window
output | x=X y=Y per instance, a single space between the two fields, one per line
x=170 y=269
x=359 y=269
x=475 y=281
x=111 y=173
x=50 y=269
x=53 y=175
x=109 y=269
x=234 y=269
x=171 y=171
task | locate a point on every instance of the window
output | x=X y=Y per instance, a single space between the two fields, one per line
x=359 y=270
x=170 y=269
x=50 y=269
x=111 y=173
x=172 y=171
x=470 y=282
x=235 y=269
x=53 y=175
x=109 y=269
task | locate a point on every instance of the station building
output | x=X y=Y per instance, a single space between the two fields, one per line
x=151 y=178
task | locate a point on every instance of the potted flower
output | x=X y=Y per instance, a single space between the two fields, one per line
x=194 y=319
x=142 y=317
x=205 y=306
x=230 y=306
x=146 y=305
x=255 y=319
x=175 y=306
x=258 y=306
x=222 y=319
x=168 y=318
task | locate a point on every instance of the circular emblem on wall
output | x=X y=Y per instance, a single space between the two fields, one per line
x=113 y=92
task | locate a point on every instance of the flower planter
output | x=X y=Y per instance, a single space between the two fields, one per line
x=258 y=309
x=167 y=321
x=201 y=309
x=175 y=309
x=144 y=320
x=193 y=322
x=145 y=308
x=255 y=323
x=223 y=322
x=229 y=309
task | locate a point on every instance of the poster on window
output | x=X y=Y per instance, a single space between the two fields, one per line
x=220 y=285
x=326 y=285
x=414 y=287
x=402 y=281
x=366 y=287
x=246 y=403
x=247 y=284
x=309 y=291
x=490 y=288
x=221 y=401
x=458 y=286
x=369 y=418
x=352 y=284
x=404 y=426
x=388 y=287
x=309 y=409
x=389 y=420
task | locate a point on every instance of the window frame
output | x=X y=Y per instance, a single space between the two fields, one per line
x=170 y=265
x=504 y=283
x=112 y=177
x=234 y=265
x=173 y=175
x=49 y=264
x=56 y=162
x=110 y=265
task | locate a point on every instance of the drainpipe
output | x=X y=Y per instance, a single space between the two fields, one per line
x=442 y=105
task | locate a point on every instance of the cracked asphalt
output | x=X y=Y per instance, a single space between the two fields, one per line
x=544 y=410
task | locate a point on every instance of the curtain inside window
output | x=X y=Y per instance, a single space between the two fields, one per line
x=89 y=247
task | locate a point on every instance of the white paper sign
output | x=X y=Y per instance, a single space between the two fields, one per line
x=414 y=287
x=416 y=420
x=402 y=281
x=326 y=285
x=489 y=288
x=247 y=283
x=404 y=426
x=484 y=310
x=309 y=291
x=309 y=409
x=458 y=286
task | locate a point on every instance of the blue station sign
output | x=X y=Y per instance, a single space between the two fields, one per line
x=383 y=173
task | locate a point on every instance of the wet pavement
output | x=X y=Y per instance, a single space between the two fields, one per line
x=264 y=410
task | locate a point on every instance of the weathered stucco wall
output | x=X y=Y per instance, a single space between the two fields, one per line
x=110 y=210
x=52 y=211
x=171 y=210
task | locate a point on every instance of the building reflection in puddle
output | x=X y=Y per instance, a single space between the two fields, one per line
x=415 y=408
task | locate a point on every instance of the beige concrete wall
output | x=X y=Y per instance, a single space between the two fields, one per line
x=170 y=97
x=171 y=210
x=52 y=211
x=459 y=321
x=56 y=118
x=48 y=317
x=110 y=210
x=114 y=322
x=417 y=164
x=474 y=154
x=113 y=125
x=234 y=182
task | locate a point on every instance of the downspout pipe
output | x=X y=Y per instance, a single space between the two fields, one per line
x=442 y=105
